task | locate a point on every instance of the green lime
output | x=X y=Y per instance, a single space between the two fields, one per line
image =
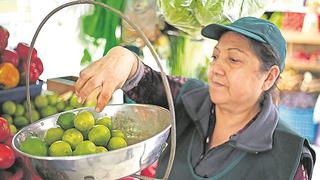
x=101 y=149
x=9 y=107
x=84 y=121
x=25 y=104
x=99 y=135
x=8 y=118
x=41 y=101
x=106 y=121
x=19 y=110
x=73 y=101
x=48 y=111
x=34 y=146
x=65 y=120
x=60 y=148
x=13 y=129
x=118 y=133
x=90 y=103
x=116 y=143
x=73 y=137
x=67 y=108
x=53 y=99
x=35 y=115
x=53 y=134
x=60 y=106
x=20 y=121
x=85 y=147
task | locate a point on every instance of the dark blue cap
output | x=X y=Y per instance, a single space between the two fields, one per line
x=255 y=28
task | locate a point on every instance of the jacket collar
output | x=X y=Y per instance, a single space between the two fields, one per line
x=257 y=137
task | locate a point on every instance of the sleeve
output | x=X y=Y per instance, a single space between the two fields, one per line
x=146 y=86
x=305 y=168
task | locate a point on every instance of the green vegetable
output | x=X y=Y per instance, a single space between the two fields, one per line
x=100 y=24
x=191 y=15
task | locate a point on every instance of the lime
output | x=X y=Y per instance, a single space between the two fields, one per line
x=34 y=146
x=35 y=115
x=25 y=104
x=9 y=107
x=60 y=106
x=53 y=99
x=117 y=133
x=65 y=120
x=48 y=111
x=8 y=118
x=106 y=121
x=20 y=121
x=53 y=134
x=116 y=143
x=60 y=148
x=73 y=101
x=101 y=149
x=41 y=101
x=73 y=137
x=85 y=147
x=19 y=110
x=13 y=129
x=90 y=103
x=67 y=108
x=84 y=121
x=99 y=135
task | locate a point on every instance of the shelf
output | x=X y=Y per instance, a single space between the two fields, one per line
x=303 y=66
x=302 y=37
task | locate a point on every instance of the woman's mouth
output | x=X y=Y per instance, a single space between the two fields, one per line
x=217 y=84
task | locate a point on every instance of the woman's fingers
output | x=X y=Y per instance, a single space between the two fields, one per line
x=88 y=88
x=104 y=97
x=84 y=76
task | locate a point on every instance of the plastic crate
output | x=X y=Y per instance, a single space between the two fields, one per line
x=300 y=120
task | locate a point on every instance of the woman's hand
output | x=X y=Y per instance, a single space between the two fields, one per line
x=107 y=75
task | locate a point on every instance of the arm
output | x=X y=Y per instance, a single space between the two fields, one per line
x=147 y=87
x=111 y=73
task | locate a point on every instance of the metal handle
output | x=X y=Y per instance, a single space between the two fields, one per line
x=153 y=52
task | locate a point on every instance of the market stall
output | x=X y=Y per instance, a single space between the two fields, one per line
x=47 y=132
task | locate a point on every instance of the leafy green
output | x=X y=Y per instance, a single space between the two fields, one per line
x=101 y=24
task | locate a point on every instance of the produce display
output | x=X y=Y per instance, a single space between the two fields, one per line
x=42 y=106
x=76 y=134
x=13 y=63
x=7 y=155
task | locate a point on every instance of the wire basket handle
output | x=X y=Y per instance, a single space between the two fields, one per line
x=153 y=52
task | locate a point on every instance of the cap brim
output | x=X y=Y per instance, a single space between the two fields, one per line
x=214 y=31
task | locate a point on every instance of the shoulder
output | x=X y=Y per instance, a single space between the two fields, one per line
x=192 y=85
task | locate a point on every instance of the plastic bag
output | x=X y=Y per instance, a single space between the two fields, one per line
x=191 y=15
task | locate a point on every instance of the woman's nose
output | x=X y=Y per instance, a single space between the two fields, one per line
x=218 y=66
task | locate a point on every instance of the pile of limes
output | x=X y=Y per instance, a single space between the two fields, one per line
x=76 y=134
x=41 y=106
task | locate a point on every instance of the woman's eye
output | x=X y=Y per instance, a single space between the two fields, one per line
x=234 y=60
x=213 y=57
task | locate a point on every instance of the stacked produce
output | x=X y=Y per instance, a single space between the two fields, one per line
x=13 y=63
x=9 y=168
x=76 y=134
x=42 y=106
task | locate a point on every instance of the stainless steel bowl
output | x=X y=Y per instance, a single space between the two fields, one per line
x=146 y=127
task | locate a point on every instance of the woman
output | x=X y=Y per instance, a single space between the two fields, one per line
x=228 y=129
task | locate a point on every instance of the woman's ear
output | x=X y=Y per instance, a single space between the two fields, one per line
x=272 y=76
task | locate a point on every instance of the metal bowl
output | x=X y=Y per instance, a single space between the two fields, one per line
x=146 y=127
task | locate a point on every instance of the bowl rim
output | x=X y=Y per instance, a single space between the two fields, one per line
x=78 y=157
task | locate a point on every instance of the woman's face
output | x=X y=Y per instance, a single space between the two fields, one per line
x=234 y=75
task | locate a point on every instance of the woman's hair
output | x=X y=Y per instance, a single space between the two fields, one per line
x=268 y=58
